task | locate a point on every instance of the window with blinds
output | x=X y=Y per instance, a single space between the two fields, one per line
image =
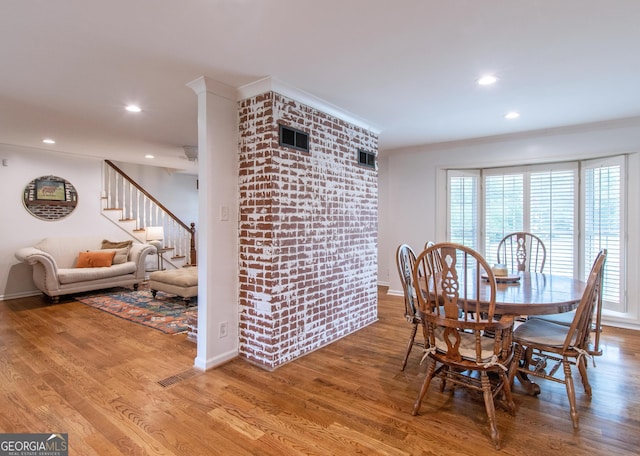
x=602 y=224
x=504 y=209
x=463 y=207
x=540 y=200
x=546 y=200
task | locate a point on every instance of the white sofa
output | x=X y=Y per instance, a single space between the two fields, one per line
x=55 y=274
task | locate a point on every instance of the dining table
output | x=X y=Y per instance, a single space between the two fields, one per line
x=528 y=293
x=535 y=293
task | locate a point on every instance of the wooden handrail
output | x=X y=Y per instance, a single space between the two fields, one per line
x=148 y=195
x=191 y=229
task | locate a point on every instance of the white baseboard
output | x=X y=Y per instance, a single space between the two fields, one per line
x=210 y=363
x=395 y=292
x=24 y=294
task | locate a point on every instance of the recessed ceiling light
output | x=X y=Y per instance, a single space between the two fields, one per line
x=48 y=141
x=133 y=108
x=512 y=115
x=487 y=80
x=149 y=156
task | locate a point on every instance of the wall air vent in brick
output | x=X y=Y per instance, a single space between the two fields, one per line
x=296 y=139
x=367 y=158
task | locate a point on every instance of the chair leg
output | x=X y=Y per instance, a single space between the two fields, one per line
x=490 y=407
x=431 y=369
x=515 y=363
x=412 y=338
x=571 y=392
x=582 y=367
x=506 y=390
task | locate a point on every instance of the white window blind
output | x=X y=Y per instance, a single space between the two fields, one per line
x=603 y=221
x=537 y=199
x=553 y=207
x=504 y=209
x=463 y=207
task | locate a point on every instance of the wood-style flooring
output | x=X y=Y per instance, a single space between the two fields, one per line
x=118 y=388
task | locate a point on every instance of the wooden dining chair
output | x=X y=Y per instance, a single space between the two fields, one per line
x=447 y=278
x=405 y=260
x=566 y=318
x=435 y=252
x=522 y=251
x=539 y=343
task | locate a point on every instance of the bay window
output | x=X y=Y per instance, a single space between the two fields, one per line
x=576 y=208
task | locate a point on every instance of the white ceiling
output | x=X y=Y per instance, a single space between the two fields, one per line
x=68 y=67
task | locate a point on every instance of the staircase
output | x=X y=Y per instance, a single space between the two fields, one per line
x=133 y=210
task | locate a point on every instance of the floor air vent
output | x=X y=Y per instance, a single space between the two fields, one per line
x=170 y=381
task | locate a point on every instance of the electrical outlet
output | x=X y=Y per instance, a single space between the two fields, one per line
x=223 y=331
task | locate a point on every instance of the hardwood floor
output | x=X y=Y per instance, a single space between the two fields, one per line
x=119 y=388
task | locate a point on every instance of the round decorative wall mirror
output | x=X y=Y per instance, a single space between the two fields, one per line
x=50 y=198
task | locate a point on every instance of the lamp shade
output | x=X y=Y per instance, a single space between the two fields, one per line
x=155 y=233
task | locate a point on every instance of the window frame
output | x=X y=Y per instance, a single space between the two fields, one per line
x=619 y=160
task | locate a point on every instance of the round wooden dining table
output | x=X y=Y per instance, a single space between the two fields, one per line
x=532 y=293
x=537 y=293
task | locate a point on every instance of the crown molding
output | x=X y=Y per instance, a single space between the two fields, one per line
x=271 y=84
x=588 y=127
x=206 y=84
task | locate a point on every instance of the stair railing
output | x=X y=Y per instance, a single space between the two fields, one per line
x=123 y=193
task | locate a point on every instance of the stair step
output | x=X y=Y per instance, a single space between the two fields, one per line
x=127 y=220
x=139 y=230
x=112 y=209
x=178 y=257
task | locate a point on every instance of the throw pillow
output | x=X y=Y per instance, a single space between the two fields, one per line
x=121 y=255
x=116 y=245
x=95 y=259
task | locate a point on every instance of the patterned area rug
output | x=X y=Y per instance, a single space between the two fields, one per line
x=165 y=312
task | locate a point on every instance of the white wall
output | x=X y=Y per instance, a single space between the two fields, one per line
x=178 y=192
x=415 y=188
x=19 y=228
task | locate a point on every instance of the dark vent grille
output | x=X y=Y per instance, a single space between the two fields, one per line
x=296 y=139
x=169 y=381
x=367 y=158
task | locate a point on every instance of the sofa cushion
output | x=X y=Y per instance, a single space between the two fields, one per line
x=72 y=275
x=95 y=259
x=121 y=255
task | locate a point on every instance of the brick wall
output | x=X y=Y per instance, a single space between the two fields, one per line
x=308 y=231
